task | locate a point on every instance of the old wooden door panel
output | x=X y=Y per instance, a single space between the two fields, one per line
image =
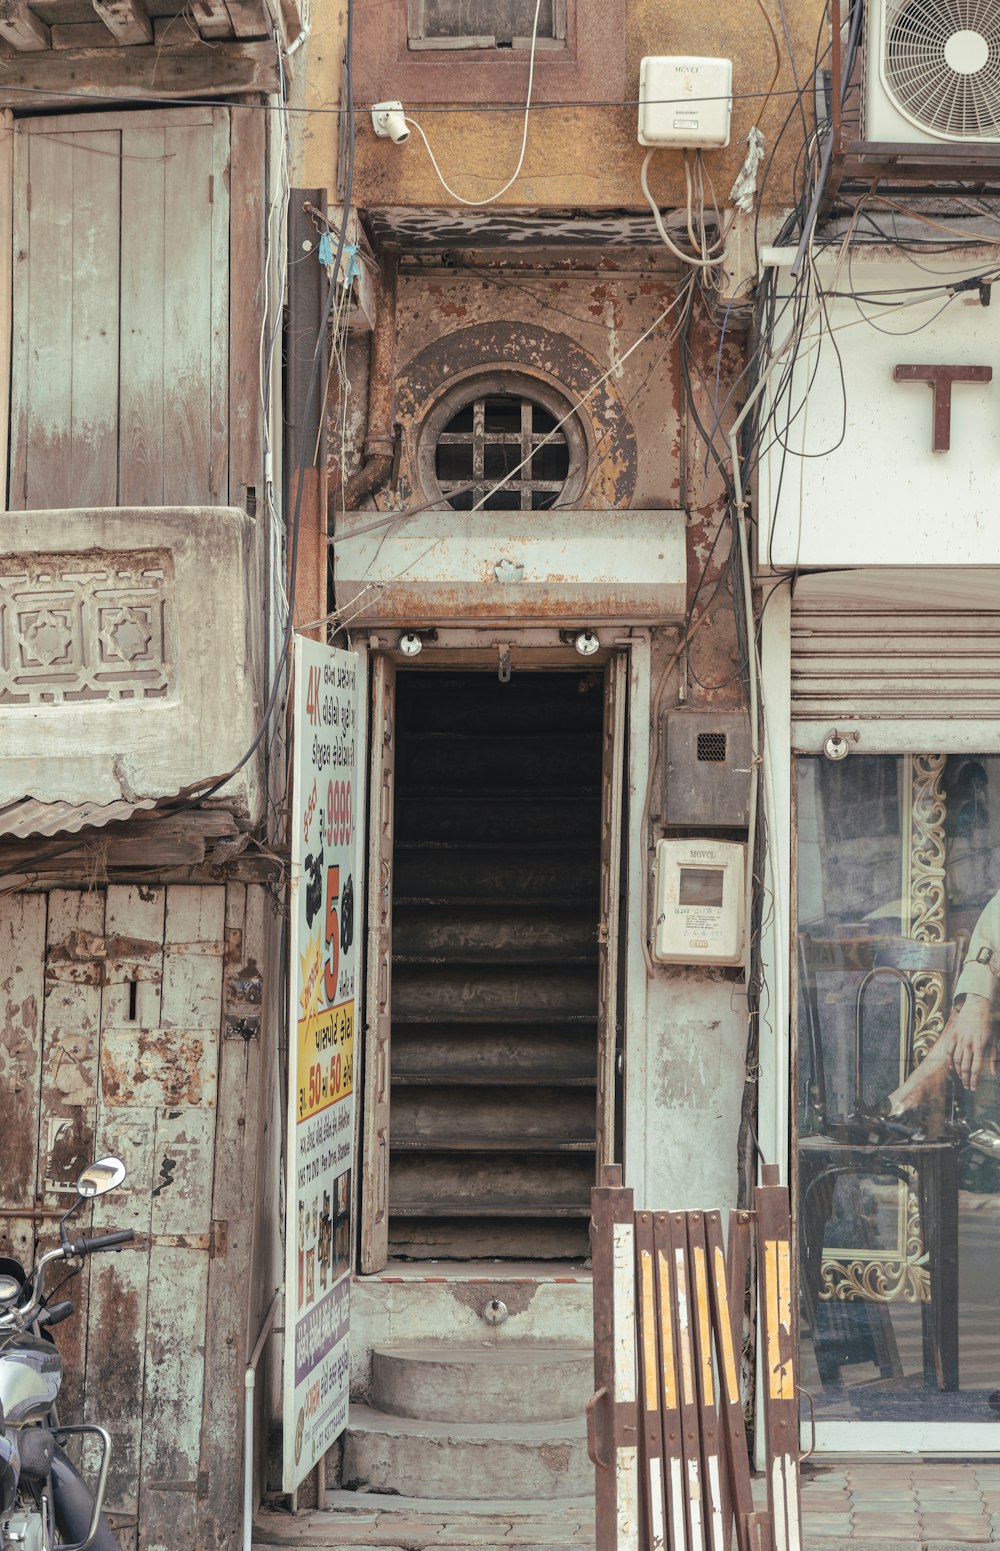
x=121 y=976
x=22 y=966
x=70 y=1042
x=195 y=307
x=121 y=310
x=238 y=1170
x=612 y=800
x=65 y=400
x=378 y=980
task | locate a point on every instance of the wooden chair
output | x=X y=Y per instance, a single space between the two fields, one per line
x=844 y=1139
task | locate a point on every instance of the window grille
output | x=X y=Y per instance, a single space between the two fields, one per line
x=489 y=437
x=486 y=24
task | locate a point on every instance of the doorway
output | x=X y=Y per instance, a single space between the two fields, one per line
x=497 y=987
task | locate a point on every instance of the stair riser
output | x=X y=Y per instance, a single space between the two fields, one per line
x=469 y=1392
x=445 y=1466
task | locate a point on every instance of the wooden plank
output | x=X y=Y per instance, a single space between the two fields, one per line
x=105 y=74
x=43 y=312
x=247 y=215
x=6 y=289
x=718 y=1505
x=781 y=1399
x=145 y=213
x=612 y=802
x=612 y=1411
x=726 y=1318
x=378 y=972
x=249 y=18
x=212 y=18
x=218 y=286
x=126 y=20
x=71 y=1039
x=650 y=1411
x=238 y=1165
x=193 y=948
x=22 y=960
x=174 y=1386
x=187 y=309
x=20 y=27
x=673 y=1462
x=134 y=970
x=194 y=935
x=691 y=1465
x=15 y=468
x=93 y=265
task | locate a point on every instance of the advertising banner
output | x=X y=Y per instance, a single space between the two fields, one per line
x=325 y=903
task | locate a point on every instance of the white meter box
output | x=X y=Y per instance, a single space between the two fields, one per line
x=699 y=894
x=685 y=101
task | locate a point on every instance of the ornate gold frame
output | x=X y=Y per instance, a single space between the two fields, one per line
x=900 y=1273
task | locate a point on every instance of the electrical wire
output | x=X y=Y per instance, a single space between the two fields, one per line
x=524 y=134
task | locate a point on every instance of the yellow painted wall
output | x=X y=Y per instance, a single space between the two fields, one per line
x=577 y=157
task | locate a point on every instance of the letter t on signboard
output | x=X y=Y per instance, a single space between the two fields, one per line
x=939 y=379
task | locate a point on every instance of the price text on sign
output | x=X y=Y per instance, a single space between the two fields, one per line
x=326 y=1059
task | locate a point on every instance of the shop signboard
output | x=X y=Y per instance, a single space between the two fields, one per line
x=326 y=890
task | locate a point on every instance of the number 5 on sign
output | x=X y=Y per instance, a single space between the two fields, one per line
x=332 y=933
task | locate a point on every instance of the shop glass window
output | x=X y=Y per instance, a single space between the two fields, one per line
x=898 y=1164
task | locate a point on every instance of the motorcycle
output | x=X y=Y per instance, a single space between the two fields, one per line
x=44 y=1501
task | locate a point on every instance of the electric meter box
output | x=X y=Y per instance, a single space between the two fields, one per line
x=685 y=101
x=707 y=759
x=699 y=893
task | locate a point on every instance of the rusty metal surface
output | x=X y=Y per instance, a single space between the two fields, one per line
x=31 y=817
x=580 y=568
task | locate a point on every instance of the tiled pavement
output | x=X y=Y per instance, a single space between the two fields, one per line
x=895 y=1502
x=875 y=1505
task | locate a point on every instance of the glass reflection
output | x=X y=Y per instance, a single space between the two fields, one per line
x=898 y=1140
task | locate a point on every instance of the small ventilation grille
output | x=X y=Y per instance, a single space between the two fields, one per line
x=942 y=65
x=712 y=747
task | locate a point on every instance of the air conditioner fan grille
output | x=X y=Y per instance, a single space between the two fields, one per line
x=941 y=63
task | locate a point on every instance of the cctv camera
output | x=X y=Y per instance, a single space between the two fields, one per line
x=389 y=122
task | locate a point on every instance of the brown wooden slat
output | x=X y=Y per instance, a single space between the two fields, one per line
x=612 y=1412
x=717 y=1502
x=126 y=20
x=726 y=1317
x=691 y=1464
x=20 y=27
x=174 y=70
x=650 y=1411
x=247 y=202
x=670 y=1400
x=781 y=1401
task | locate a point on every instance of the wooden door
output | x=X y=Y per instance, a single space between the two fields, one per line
x=609 y=928
x=120 y=362
x=378 y=997
x=129 y=1028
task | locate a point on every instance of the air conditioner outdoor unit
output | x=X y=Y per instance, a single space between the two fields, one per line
x=932 y=71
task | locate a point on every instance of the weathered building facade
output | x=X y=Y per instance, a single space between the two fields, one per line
x=536 y=550
x=141 y=247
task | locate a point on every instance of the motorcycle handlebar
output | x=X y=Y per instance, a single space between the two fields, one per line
x=103 y=1241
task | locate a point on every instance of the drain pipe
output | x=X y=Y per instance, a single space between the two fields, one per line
x=379 y=442
x=249 y=1379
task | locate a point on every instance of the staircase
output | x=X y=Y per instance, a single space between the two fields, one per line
x=473 y=1423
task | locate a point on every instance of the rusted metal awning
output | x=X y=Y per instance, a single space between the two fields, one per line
x=28 y=817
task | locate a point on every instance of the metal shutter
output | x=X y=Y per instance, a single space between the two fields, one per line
x=895 y=646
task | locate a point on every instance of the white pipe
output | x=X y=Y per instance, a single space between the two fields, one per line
x=249 y=1379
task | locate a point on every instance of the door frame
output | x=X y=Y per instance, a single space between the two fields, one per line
x=540 y=650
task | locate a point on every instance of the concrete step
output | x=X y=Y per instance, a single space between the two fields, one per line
x=509 y=1382
x=470 y=1460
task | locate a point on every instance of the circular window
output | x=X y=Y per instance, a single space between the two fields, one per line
x=483 y=431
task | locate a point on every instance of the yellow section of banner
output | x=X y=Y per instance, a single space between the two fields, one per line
x=326 y=1059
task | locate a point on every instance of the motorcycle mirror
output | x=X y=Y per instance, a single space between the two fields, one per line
x=10 y=1288
x=100 y=1177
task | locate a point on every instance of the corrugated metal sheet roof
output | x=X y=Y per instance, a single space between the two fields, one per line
x=28 y=816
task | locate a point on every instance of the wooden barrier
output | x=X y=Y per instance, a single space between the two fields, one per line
x=665 y=1424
